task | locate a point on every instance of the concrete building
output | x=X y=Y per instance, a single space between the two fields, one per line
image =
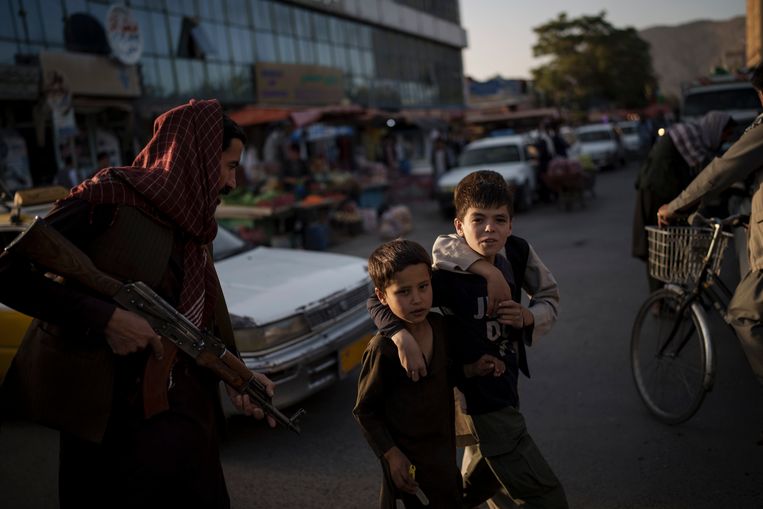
x=79 y=77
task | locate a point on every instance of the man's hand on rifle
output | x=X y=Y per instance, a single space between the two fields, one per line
x=245 y=405
x=128 y=332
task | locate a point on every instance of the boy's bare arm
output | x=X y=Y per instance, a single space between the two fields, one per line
x=411 y=357
x=452 y=253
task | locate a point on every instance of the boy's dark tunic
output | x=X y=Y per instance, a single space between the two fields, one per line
x=417 y=417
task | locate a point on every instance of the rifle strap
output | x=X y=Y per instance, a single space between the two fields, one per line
x=156 y=379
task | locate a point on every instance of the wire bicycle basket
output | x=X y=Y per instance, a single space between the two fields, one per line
x=676 y=252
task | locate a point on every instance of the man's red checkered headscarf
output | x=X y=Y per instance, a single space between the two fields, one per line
x=175 y=179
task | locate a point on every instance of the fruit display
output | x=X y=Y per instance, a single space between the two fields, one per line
x=269 y=199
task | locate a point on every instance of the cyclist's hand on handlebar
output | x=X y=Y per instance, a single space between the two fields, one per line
x=664 y=216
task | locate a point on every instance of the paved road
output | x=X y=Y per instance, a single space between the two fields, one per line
x=580 y=405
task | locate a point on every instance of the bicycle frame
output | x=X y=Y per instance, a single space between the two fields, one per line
x=707 y=289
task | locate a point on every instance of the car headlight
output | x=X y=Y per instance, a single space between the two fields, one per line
x=252 y=338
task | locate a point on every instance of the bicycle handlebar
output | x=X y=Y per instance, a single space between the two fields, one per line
x=731 y=221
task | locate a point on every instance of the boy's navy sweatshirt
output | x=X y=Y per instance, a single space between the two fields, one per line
x=465 y=296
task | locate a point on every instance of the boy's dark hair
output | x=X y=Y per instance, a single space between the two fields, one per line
x=231 y=130
x=483 y=189
x=393 y=257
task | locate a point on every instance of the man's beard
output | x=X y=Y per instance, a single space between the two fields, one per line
x=226 y=190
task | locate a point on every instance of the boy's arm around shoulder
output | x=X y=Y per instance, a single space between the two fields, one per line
x=543 y=290
x=392 y=327
x=369 y=404
x=451 y=252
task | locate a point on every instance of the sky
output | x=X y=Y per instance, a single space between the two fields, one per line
x=500 y=35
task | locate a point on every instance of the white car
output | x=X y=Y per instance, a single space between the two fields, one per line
x=601 y=143
x=735 y=97
x=507 y=155
x=629 y=137
x=298 y=316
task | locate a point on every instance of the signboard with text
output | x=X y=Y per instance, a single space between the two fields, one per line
x=298 y=85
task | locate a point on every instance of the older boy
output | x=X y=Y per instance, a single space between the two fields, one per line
x=409 y=423
x=507 y=455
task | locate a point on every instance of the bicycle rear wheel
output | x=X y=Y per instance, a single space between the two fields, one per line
x=671 y=381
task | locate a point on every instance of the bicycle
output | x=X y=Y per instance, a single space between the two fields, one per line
x=672 y=355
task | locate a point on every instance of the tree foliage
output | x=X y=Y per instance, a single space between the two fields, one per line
x=593 y=64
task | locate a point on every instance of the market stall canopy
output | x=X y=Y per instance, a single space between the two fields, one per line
x=326 y=114
x=253 y=115
x=476 y=116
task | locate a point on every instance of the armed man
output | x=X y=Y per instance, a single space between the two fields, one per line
x=138 y=417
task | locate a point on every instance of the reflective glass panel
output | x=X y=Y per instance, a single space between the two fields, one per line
x=7 y=19
x=161 y=37
x=261 y=16
x=303 y=23
x=266 y=48
x=241 y=45
x=286 y=49
x=53 y=22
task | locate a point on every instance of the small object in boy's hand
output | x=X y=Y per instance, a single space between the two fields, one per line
x=419 y=494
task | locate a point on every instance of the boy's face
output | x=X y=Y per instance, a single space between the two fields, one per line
x=485 y=230
x=409 y=295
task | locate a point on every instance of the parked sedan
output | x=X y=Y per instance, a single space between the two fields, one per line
x=507 y=155
x=602 y=144
x=298 y=316
x=630 y=137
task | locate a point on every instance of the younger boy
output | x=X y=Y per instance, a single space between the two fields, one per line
x=506 y=455
x=409 y=423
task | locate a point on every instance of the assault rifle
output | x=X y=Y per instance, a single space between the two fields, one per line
x=46 y=247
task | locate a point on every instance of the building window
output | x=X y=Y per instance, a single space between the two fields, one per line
x=261 y=14
x=238 y=12
x=282 y=19
x=241 y=45
x=306 y=51
x=286 y=49
x=7 y=18
x=266 y=48
x=194 y=42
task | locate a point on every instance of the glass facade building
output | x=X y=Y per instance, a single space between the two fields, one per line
x=382 y=66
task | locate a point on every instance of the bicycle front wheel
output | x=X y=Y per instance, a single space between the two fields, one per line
x=669 y=356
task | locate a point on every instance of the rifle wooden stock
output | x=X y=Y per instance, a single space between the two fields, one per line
x=49 y=249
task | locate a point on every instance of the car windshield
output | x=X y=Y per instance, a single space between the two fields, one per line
x=737 y=99
x=227 y=244
x=490 y=155
x=589 y=136
x=628 y=129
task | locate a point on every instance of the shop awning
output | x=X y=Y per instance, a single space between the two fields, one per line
x=253 y=115
x=327 y=114
x=479 y=116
